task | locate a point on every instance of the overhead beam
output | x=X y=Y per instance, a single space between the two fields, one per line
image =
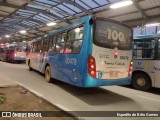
x=139 y=21
x=5 y=3
x=27 y=19
x=3 y=15
x=124 y=14
x=49 y=8
x=144 y=15
x=46 y=13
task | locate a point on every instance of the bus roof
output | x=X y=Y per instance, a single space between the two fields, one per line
x=146 y=36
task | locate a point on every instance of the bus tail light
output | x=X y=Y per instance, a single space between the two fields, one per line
x=91 y=66
x=15 y=54
x=130 y=68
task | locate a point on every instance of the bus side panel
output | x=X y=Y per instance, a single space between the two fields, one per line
x=157 y=74
x=68 y=68
x=71 y=68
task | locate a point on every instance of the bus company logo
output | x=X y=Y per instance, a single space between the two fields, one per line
x=114 y=63
x=108 y=63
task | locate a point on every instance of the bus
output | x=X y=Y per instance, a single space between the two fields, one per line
x=13 y=53
x=2 y=48
x=91 y=52
x=146 y=59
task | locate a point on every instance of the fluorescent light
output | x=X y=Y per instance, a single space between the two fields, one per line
x=22 y=31
x=51 y=24
x=121 y=4
x=7 y=36
x=77 y=30
x=24 y=41
x=152 y=24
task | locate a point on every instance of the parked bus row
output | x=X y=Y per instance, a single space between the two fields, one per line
x=13 y=53
x=93 y=52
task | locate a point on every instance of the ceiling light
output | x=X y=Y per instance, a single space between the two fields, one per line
x=22 y=31
x=121 y=4
x=51 y=24
x=24 y=41
x=152 y=24
x=7 y=36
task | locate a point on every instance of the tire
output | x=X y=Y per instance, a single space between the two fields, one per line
x=29 y=65
x=141 y=81
x=48 y=74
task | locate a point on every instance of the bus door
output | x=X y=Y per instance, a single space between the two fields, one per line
x=42 y=53
x=33 y=56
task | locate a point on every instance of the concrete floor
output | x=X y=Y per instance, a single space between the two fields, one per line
x=70 y=98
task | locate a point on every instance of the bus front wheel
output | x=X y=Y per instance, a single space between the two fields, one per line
x=48 y=74
x=141 y=81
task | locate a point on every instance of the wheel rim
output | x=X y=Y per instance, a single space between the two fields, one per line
x=47 y=74
x=141 y=82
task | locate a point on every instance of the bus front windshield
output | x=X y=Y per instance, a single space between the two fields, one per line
x=109 y=34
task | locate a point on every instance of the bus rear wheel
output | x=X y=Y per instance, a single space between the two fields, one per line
x=141 y=81
x=48 y=74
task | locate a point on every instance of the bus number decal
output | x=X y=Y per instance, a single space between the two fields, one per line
x=100 y=74
x=72 y=61
x=114 y=35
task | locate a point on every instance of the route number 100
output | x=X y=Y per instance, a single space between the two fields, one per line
x=114 y=35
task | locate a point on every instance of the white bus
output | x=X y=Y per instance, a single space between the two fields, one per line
x=146 y=59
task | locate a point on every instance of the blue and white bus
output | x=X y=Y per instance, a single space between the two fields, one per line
x=90 y=52
x=146 y=58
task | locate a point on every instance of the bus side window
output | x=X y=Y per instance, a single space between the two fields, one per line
x=60 y=45
x=75 y=38
x=31 y=47
x=45 y=45
x=144 y=49
x=52 y=44
x=39 y=47
x=35 y=46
